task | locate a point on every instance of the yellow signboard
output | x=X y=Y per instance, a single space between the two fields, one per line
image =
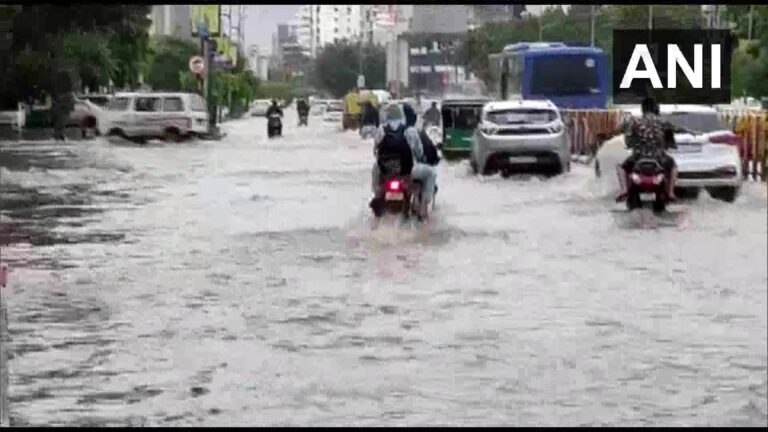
x=210 y=14
x=227 y=49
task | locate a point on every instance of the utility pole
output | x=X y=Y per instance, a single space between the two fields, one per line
x=749 y=31
x=650 y=17
x=592 y=25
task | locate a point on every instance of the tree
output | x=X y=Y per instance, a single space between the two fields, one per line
x=170 y=56
x=338 y=65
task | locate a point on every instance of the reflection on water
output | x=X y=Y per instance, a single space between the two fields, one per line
x=243 y=282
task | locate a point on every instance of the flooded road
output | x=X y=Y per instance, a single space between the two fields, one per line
x=242 y=282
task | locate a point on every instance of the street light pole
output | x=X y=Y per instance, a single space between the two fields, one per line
x=650 y=17
x=592 y=25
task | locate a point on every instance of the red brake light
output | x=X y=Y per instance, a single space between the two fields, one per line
x=725 y=138
x=394 y=185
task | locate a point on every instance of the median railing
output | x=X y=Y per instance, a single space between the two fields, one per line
x=750 y=126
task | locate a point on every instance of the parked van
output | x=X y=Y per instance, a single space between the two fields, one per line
x=169 y=116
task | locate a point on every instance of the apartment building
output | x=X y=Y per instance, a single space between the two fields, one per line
x=320 y=25
x=171 y=20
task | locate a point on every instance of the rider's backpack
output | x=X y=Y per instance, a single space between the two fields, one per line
x=394 y=154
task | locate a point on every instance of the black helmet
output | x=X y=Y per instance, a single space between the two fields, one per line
x=649 y=106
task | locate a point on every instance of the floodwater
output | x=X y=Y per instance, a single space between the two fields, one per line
x=243 y=282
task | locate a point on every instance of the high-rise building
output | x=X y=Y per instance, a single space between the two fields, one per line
x=171 y=20
x=485 y=14
x=381 y=24
x=440 y=18
x=319 y=25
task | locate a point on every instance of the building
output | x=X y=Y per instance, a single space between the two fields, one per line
x=171 y=20
x=319 y=25
x=259 y=62
x=440 y=18
x=485 y=14
x=381 y=24
x=288 y=55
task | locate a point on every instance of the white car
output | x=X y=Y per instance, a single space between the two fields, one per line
x=170 y=116
x=520 y=135
x=87 y=111
x=709 y=159
x=334 y=112
x=259 y=107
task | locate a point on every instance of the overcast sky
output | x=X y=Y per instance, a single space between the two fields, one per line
x=261 y=22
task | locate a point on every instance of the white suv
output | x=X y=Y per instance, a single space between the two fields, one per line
x=170 y=116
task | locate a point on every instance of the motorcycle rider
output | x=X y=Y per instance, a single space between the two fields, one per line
x=402 y=124
x=647 y=137
x=370 y=117
x=302 y=108
x=274 y=109
x=432 y=116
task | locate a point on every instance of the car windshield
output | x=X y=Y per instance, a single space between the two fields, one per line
x=699 y=122
x=521 y=116
x=118 y=104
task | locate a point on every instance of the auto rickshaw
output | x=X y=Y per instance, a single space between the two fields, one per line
x=352 y=111
x=460 y=119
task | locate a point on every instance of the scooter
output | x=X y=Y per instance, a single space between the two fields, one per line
x=303 y=119
x=647 y=182
x=274 y=126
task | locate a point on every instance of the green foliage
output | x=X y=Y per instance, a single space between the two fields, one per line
x=90 y=45
x=170 y=56
x=338 y=65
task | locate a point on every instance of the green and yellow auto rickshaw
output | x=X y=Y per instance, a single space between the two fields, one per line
x=460 y=118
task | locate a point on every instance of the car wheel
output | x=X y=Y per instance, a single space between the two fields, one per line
x=172 y=135
x=724 y=193
x=116 y=133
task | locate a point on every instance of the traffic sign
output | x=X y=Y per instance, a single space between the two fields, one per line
x=196 y=64
x=361 y=81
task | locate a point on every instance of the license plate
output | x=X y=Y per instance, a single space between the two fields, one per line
x=688 y=148
x=648 y=196
x=522 y=159
x=393 y=196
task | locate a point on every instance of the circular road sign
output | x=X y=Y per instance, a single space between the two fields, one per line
x=196 y=64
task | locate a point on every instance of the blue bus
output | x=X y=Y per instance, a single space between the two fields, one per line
x=574 y=77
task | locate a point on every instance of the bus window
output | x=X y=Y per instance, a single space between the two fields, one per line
x=565 y=75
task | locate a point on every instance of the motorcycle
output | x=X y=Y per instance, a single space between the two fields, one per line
x=647 y=182
x=304 y=119
x=274 y=125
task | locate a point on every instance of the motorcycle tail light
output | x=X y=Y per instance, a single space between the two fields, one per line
x=394 y=185
x=636 y=177
x=658 y=179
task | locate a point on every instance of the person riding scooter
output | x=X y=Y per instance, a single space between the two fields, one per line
x=302 y=108
x=648 y=137
x=274 y=120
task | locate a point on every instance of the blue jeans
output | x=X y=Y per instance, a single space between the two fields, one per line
x=422 y=172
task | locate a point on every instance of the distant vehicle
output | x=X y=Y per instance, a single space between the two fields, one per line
x=86 y=113
x=102 y=100
x=460 y=118
x=334 y=111
x=573 y=77
x=170 y=116
x=520 y=136
x=259 y=107
x=709 y=159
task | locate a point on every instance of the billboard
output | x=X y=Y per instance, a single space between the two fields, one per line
x=210 y=14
